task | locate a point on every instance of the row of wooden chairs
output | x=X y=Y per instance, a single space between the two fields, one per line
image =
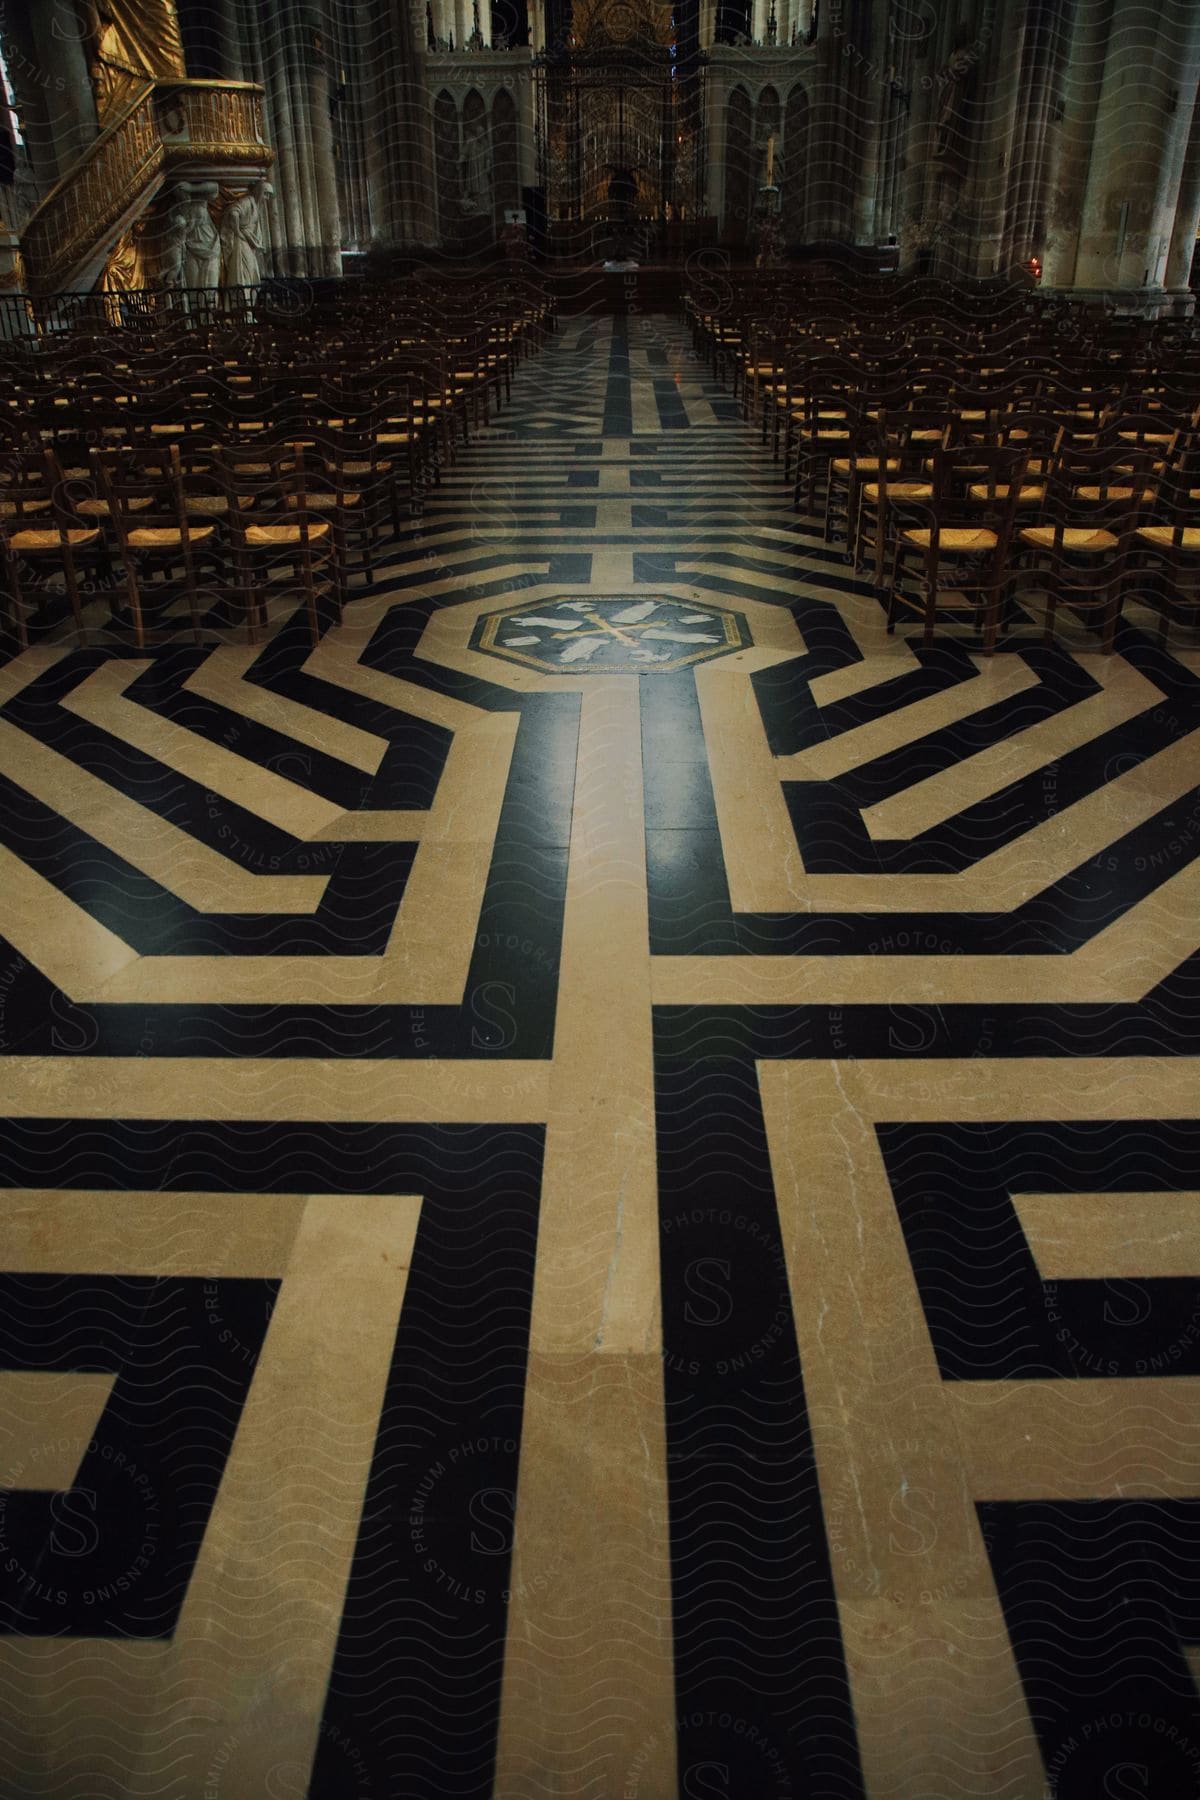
x=969 y=465
x=211 y=476
x=1020 y=509
x=243 y=530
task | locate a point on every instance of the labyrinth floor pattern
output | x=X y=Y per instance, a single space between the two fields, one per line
x=601 y=1223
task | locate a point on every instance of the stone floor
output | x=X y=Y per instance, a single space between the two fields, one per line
x=600 y=1175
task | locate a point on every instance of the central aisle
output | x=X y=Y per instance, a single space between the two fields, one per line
x=557 y=1133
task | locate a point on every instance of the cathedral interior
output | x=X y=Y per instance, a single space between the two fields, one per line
x=599 y=900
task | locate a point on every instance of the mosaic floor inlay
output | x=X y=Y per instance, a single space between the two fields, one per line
x=626 y=632
x=570 y=1236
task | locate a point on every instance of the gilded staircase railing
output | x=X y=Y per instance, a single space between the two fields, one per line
x=171 y=126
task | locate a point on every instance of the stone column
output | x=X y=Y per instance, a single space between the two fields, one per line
x=714 y=133
x=396 y=120
x=526 y=144
x=1143 y=120
x=58 y=68
x=999 y=160
x=828 y=99
x=1072 y=147
x=871 y=115
x=315 y=66
x=1187 y=216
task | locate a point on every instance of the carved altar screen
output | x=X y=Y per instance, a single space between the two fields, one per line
x=619 y=124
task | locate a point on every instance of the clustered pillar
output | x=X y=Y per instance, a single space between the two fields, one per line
x=1125 y=176
x=307 y=62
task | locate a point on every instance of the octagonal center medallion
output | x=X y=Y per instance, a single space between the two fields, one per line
x=627 y=634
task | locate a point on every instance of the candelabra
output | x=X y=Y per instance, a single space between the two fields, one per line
x=770 y=250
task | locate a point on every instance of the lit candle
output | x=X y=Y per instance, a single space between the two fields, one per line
x=771 y=159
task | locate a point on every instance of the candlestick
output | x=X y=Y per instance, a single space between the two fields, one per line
x=770 y=159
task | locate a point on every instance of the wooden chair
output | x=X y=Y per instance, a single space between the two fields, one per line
x=159 y=540
x=915 y=435
x=39 y=532
x=962 y=549
x=280 y=544
x=1078 y=550
x=1168 y=550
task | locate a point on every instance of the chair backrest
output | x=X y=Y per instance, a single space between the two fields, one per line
x=142 y=487
x=266 y=484
x=28 y=496
x=1108 y=487
x=978 y=485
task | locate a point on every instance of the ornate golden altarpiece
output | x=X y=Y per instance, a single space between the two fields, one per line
x=619 y=118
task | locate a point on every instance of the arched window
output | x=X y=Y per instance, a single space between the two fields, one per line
x=740 y=197
x=793 y=178
x=446 y=152
x=505 y=153
x=766 y=123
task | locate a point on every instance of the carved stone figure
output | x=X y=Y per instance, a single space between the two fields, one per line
x=242 y=239
x=953 y=80
x=477 y=171
x=169 y=247
x=129 y=41
x=202 y=240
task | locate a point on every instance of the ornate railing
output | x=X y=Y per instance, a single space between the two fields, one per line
x=82 y=208
x=216 y=121
x=169 y=125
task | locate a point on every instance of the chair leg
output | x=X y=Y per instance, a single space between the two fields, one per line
x=1112 y=614
x=133 y=590
x=72 y=582
x=189 y=576
x=991 y=621
x=308 y=589
x=931 y=592
x=16 y=609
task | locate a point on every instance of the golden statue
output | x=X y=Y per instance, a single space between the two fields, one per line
x=125 y=270
x=131 y=42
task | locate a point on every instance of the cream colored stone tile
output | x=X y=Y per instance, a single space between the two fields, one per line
x=996 y=678
x=588 y=1668
x=73 y=950
x=762 y=861
x=600 y=1142
x=253 y=1649
x=47 y=1419
x=222 y=677
x=429 y=949
x=1124 y=693
x=72 y=1231
x=761 y=868
x=904 y=1542
x=900 y=1453
x=588 y=1694
x=20 y=671
x=926 y=1734
x=196 y=874
x=398 y=826
x=335 y=660
x=101 y=699
x=1104 y=1237
x=74 y=1710
x=140 y=1087
x=1127 y=1439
